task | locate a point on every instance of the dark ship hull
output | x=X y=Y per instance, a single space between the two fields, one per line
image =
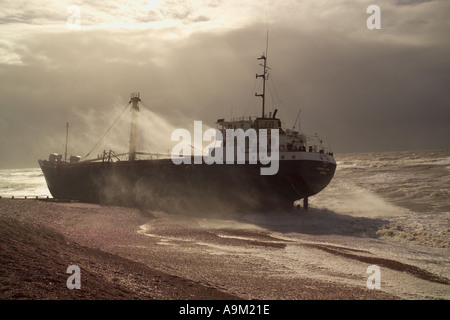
x=160 y=184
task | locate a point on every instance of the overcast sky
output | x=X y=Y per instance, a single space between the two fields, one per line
x=362 y=90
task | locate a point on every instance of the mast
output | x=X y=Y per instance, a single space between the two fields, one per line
x=67 y=136
x=133 y=132
x=264 y=75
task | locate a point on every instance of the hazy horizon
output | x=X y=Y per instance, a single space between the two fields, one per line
x=336 y=156
x=362 y=90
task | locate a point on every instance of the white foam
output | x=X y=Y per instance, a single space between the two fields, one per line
x=348 y=198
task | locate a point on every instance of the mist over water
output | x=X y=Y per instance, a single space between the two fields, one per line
x=407 y=191
x=417 y=181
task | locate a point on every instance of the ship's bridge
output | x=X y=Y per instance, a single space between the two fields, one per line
x=243 y=123
x=246 y=123
x=289 y=140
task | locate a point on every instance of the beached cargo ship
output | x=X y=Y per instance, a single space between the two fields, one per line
x=305 y=167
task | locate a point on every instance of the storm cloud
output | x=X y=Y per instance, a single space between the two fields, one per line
x=362 y=90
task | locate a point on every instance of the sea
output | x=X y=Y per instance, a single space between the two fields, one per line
x=395 y=205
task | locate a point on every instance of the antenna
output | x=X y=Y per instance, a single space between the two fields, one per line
x=267 y=42
x=298 y=116
x=267 y=36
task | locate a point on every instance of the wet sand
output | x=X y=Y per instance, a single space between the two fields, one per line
x=127 y=253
